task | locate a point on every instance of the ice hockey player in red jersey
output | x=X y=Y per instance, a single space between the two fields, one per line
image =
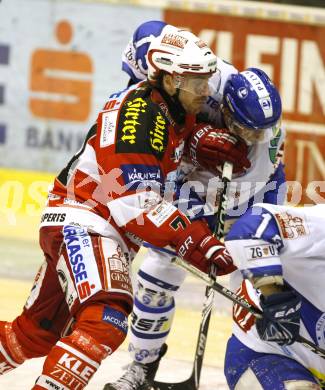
x=103 y=204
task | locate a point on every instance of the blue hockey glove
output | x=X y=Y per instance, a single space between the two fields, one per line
x=281 y=318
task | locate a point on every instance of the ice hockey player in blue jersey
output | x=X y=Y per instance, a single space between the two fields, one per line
x=250 y=106
x=280 y=253
x=134 y=61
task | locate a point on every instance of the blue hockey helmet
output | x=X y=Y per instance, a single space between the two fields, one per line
x=252 y=99
x=134 y=61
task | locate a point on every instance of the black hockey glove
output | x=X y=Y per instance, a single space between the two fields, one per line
x=281 y=318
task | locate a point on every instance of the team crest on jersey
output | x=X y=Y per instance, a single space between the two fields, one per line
x=291 y=226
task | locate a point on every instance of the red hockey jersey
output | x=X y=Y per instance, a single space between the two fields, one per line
x=127 y=159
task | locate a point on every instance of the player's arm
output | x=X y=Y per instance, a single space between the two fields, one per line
x=136 y=205
x=144 y=213
x=254 y=242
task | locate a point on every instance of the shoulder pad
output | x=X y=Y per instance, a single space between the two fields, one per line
x=142 y=127
x=256 y=223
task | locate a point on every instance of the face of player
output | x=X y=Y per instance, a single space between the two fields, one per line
x=193 y=91
x=250 y=136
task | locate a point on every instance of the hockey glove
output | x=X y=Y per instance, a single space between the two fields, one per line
x=198 y=246
x=242 y=317
x=281 y=318
x=210 y=148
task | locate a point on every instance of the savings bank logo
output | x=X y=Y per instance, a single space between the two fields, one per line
x=80 y=255
x=61 y=79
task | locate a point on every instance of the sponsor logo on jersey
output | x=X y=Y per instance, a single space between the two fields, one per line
x=82 y=261
x=259 y=252
x=115 y=318
x=118 y=266
x=161 y=213
x=140 y=132
x=174 y=40
x=132 y=126
x=291 y=226
x=165 y=110
x=135 y=175
x=132 y=113
x=108 y=130
x=158 y=134
x=53 y=217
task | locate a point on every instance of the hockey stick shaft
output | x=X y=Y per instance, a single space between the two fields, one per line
x=209 y=293
x=242 y=302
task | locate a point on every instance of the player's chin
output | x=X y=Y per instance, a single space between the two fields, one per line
x=197 y=105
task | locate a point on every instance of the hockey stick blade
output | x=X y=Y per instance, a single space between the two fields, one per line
x=185 y=385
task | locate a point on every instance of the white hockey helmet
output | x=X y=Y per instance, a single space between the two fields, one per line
x=179 y=52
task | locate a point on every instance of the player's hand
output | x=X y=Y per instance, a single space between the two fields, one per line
x=210 y=148
x=281 y=318
x=242 y=317
x=198 y=246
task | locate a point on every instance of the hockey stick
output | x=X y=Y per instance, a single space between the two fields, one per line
x=192 y=383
